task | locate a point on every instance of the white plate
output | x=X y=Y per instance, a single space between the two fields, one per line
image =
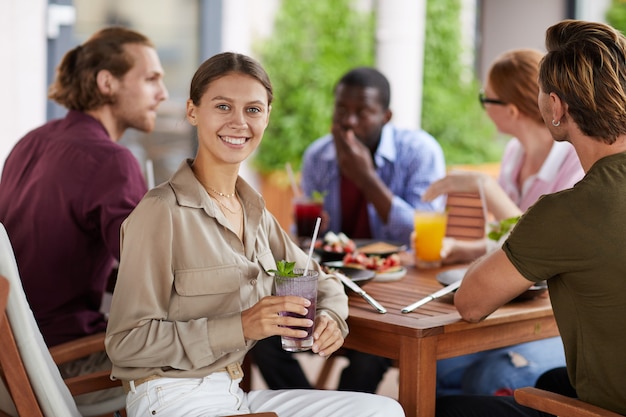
x=360 y=276
x=390 y=276
x=379 y=277
x=451 y=276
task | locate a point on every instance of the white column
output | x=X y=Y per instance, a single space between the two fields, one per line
x=236 y=26
x=400 y=34
x=23 y=70
x=594 y=11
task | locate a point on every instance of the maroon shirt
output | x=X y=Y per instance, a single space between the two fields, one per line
x=65 y=190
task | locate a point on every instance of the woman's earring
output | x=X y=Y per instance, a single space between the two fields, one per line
x=555 y=123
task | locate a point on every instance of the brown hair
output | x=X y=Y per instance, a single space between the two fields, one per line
x=586 y=67
x=75 y=84
x=513 y=77
x=222 y=64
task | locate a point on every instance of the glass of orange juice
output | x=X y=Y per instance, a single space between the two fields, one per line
x=430 y=228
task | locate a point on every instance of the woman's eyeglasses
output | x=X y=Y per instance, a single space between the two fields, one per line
x=483 y=99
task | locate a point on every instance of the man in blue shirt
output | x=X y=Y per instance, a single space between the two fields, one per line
x=383 y=168
x=373 y=175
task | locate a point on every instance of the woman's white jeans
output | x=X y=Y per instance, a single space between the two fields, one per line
x=218 y=395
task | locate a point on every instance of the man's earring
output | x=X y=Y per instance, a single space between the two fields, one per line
x=555 y=123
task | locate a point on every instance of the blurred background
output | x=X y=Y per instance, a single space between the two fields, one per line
x=435 y=53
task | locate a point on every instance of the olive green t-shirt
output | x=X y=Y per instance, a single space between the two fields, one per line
x=576 y=239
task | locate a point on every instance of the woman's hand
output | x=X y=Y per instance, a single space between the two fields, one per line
x=455 y=182
x=327 y=337
x=462 y=251
x=455 y=251
x=263 y=319
x=497 y=202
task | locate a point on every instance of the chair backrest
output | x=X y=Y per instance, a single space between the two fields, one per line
x=559 y=405
x=466 y=219
x=12 y=367
x=52 y=394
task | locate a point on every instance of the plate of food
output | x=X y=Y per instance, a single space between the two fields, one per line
x=391 y=275
x=377 y=247
x=358 y=275
x=386 y=268
x=334 y=247
x=453 y=275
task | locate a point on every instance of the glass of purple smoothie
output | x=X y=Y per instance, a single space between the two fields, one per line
x=303 y=286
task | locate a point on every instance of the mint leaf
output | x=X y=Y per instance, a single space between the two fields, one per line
x=285 y=269
x=318 y=196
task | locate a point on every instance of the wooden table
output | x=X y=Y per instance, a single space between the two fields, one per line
x=435 y=331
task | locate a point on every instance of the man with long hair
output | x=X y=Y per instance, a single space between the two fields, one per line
x=68 y=185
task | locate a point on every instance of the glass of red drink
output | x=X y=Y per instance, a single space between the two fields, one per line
x=306 y=212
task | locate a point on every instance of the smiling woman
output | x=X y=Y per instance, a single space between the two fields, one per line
x=231 y=114
x=198 y=252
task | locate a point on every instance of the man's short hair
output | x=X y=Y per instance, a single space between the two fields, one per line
x=368 y=77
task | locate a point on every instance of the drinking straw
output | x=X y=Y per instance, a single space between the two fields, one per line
x=292 y=180
x=150 y=174
x=308 y=260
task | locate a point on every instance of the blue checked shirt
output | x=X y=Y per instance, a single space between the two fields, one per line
x=407 y=161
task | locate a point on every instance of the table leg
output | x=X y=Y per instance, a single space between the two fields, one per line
x=418 y=376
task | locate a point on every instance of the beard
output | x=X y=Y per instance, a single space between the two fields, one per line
x=135 y=118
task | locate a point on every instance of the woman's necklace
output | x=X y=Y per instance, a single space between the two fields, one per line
x=235 y=215
x=231 y=195
x=224 y=205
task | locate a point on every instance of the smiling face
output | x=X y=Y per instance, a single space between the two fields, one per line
x=231 y=118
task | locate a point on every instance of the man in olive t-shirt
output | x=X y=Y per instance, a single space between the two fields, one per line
x=574 y=239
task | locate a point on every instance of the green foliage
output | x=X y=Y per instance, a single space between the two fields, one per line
x=318 y=196
x=616 y=15
x=451 y=111
x=502 y=228
x=285 y=269
x=314 y=44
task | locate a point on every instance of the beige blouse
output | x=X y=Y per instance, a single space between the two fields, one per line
x=185 y=277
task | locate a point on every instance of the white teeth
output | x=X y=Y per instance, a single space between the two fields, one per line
x=234 y=141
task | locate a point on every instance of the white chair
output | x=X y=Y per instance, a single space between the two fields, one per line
x=51 y=391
